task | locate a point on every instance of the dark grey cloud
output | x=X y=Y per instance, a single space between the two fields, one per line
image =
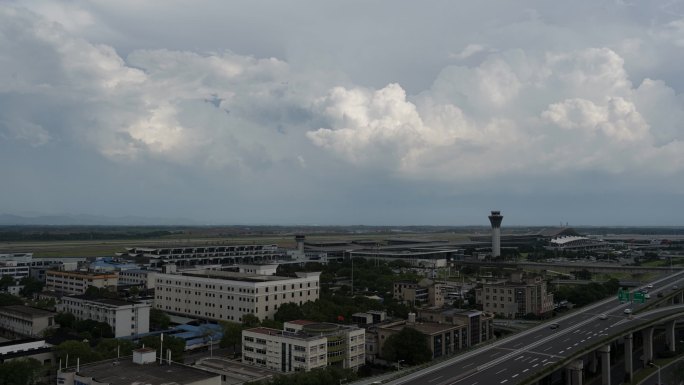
x=356 y=112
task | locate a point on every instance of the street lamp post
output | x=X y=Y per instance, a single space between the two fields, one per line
x=657 y=366
x=211 y=346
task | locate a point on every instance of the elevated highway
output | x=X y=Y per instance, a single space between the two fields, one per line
x=582 y=337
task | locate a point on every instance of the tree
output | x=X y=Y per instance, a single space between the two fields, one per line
x=92 y=292
x=288 y=312
x=159 y=320
x=76 y=349
x=9 y=299
x=65 y=320
x=134 y=291
x=250 y=321
x=327 y=375
x=232 y=335
x=408 y=345
x=6 y=281
x=108 y=347
x=94 y=328
x=31 y=286
x=23 y=371
x=177 y=346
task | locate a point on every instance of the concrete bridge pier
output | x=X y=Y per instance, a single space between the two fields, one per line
x=670 y=335
x=573 y=374
x=605 y=364
x=647 y=335
x=629 y=350
x=593 y=362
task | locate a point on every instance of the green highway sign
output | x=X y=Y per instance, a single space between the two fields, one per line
x=639 y=297
x=623 y=295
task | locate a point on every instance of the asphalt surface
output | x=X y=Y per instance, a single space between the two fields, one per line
x=523 y=356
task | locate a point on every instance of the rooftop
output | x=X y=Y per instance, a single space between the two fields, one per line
x=83 y=273
x=125 y=372
x=301 y=322
x=104 y=301
x=26 y=311
x=233 y=276
x=423 y=327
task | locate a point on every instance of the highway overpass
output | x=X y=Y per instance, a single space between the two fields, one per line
x=583 y=339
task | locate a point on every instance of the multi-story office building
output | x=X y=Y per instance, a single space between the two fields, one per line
x=516 y=297
x=77 y=282
x=447 y=331
x=425 y=292
x=227 y=296
x=136 y=277
x=190 y=255
x=20 y=265
x=125 y=317
x=24 y=321
x=304 y=345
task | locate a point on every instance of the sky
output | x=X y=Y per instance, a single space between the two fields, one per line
x=344 y=112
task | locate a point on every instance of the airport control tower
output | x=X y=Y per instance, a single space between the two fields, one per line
x=495 y=219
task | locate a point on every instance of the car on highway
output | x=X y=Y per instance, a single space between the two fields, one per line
x=628 y=311
x=603 y=316
x=554 y=326
x=675 y=287
x=647 y=296
x=649 y=286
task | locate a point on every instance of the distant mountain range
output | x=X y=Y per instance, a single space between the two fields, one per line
x=90 y=220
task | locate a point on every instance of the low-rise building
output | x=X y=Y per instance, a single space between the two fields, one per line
x=515 y=298
x=304 y=345
x=227 y=296
x=77 y=282
x=136 y=277
x=34 y=348
x=425 y=292
x=25 y=321
x=447 y=330
x=125 y=317
x=143 y=369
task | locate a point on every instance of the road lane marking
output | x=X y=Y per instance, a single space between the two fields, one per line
x=435 y=379
x=470 y=364
x=500 y=371
x=525 y=370
x=566 y=340
x=547 y=348
x=518 y=358
x=535 y=365
x=504 y=381
x=515 y=375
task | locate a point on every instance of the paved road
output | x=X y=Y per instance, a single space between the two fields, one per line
x=522 y=356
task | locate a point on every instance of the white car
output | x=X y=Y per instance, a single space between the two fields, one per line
x=650 y=286
x=603 y=316
x=628 y=311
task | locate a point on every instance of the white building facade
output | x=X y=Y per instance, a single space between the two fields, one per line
x=303 y=346
x=227 y=296
x=77 y=282
x=125 y=317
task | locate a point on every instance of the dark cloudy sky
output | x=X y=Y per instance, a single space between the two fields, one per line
x=344 y=112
